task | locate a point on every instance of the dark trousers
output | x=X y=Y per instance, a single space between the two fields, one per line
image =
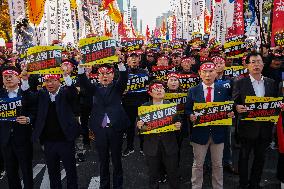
x=64 y=151
x=17 y=155
x=132 y=112
x=280 y=167
x=258 y=146
x=108 y=140
x=85 y=112
x=154 y=165
x=1 y=162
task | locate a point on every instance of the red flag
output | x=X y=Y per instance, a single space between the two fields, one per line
x=174 y=34
x=121 y=28
x=164 y=28
x=207 y=23
x=278 y=15
x=106 y=3
x=238 y=24
x=148 y=34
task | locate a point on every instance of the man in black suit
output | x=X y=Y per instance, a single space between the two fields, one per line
x=108 y=119
x=254 y=136
x=15 y=137
x=57 y=128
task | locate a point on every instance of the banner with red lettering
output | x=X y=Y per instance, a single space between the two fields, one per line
x=98 y=50
x=238 y=24
x=44 y=60
x=213 y=113
x=278 y=15
x=263 y=108
x=157 y=118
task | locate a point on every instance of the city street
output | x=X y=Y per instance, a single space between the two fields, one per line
x=135 y=171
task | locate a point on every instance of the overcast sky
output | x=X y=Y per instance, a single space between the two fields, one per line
x=148 y=10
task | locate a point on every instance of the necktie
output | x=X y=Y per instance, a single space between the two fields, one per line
x=104 y=123
x=209 y=95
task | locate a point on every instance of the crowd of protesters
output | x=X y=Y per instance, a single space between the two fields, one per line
x=92 y=103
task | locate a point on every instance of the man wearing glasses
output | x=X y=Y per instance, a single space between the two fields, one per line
x=253 y=136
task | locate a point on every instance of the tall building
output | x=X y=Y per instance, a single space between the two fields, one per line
x=159 y=21
x=134 y=17
x=164 y=17
x=122 y=4
x=141 y=26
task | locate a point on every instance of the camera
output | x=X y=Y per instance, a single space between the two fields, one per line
x=22 y=23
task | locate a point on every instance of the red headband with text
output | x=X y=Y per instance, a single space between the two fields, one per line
x=216 y=59
x=208 y=65
x=154 y=86
x=52 y=76
x=105 y=70
x=10 y=72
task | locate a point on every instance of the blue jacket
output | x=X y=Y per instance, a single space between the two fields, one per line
x=200 y=135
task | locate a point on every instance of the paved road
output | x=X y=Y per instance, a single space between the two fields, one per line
x=135 y=171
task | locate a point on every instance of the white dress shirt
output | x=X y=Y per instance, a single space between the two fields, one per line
x=14 y=93
x=258 y=86
x=205 y=90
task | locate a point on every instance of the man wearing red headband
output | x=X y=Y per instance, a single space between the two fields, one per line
x=15 y=136
x=186 y=65
x=108 y=119
x=208 y=136
x=56 y=126
x=161 y=148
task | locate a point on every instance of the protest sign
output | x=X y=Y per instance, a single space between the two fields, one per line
x=155 y=43
x=98 y=50
x=213 y=113
x=131 y=45
x=158 y=118
x=10 y=108
x=137 y=83
x=44 y=60
x=179 y=99
x=188 y=80
x=161 y=72
x=235 y=47
x=235 y=71
x=263 y=108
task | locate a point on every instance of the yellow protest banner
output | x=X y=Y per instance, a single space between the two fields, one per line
x=98 y=50
x=263 y=108
x=44 y=60
x=158 y=118
x=213 y=113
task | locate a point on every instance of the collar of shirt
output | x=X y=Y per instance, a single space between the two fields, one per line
x=52 y=96
x=205 y=86
x=14 y=93
x=253 y=80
